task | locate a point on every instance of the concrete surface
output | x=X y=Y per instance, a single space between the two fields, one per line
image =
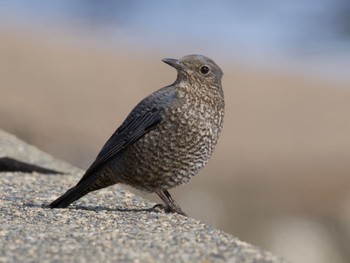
x=111 y=225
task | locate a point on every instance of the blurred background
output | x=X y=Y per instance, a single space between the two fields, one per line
x=70 y=72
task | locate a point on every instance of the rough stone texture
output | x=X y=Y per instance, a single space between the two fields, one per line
x=111 y=225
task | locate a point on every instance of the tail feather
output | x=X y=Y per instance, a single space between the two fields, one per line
x=90 y=182
x=66 y=199
x=82 y=188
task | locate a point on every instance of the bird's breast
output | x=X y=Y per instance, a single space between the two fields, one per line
x=176 y=149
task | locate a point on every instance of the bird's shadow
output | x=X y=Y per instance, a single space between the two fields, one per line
x=156 y=208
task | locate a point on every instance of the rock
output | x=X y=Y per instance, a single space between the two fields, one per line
x=111 y=225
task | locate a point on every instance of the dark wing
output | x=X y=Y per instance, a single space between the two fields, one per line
x=134 y=130
x=142 y=119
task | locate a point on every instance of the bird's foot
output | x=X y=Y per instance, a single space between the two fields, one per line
x=167 y=209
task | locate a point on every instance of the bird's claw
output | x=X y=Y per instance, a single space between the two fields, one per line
x=167 y=209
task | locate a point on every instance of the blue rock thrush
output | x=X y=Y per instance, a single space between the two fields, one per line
x=165 y=140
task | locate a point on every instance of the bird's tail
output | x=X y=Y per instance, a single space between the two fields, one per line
x=90 y=182
x=69 y=197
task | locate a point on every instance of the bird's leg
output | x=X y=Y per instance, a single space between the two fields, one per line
x=170 y=205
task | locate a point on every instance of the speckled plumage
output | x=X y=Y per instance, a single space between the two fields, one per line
x=165 y=140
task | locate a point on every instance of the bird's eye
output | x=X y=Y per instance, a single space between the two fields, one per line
x=204 y=70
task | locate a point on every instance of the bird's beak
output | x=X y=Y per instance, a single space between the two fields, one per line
x=174 y=63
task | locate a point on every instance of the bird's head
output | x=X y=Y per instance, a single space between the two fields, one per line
x=197 y=68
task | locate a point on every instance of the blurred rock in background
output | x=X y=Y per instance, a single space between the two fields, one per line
x=70 y=72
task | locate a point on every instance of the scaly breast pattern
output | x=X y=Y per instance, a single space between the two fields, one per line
x=177 y=149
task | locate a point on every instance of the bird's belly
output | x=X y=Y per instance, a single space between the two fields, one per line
x=167 y=156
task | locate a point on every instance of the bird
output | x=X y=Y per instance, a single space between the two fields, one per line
x=165 y=140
